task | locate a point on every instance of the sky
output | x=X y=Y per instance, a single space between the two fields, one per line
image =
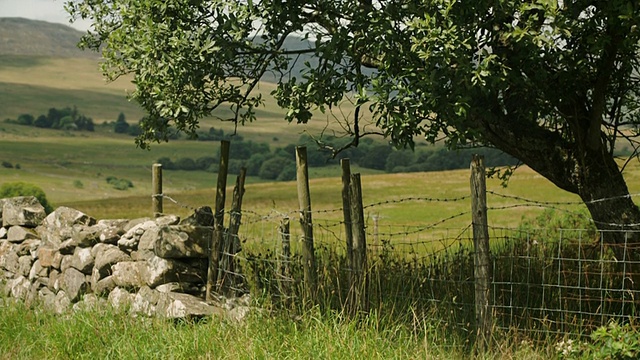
x=46 y=10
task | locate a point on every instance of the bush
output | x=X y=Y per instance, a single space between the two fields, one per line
x=271 y=169
x=7 y=165
x=14 y=189
x=185 y=163
x=119 y=184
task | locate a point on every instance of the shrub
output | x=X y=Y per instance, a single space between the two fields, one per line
x=185 y=163
x=78 y=184
x=7 y=165
x=14 y=189
x=119 y=184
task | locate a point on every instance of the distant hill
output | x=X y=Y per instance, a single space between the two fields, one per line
x=20 y=36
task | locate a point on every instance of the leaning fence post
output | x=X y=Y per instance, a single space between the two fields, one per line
x=304 y=199
x=227 y=275
x=359 y=285
x=156 y=198
x=482 y=276
x=215 y=245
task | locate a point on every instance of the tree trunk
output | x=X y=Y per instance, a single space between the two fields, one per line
x=592 y=174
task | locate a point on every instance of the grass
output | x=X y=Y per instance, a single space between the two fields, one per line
x=104 y=333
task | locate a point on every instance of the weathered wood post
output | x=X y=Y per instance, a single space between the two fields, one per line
x=156 y=198
x=215 y=245
x=482 y=275
x=346 y=211
x=285 y=259
x=304 y=199
x=360 y=283
x=227 y=275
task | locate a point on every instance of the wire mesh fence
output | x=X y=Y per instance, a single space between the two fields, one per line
x=557 y=281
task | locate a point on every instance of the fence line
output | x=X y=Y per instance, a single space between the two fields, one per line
x=542 y=280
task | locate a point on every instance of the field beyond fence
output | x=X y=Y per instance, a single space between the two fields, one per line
x=550 y=277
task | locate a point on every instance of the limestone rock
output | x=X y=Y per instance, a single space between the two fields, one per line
x=49 y=257
x=47 y=298
x=59 y=225
x=29 y=247
x=162 y=271
x=87 y=236
x=65 y=263
x=9 y=256
x=19 y=287
x=131 y=238
x=108 y=255
x=111 y=230
x=18 y=234
x=183 y=241
x=103 y=286
x=82 y=260
x=22 y=211
x=24 y=265
x=120 y=298
x=145 y=301
x=3 y=230
x=54 y=280
x=129 y=274
x=74 y=284
x=37 y=271
x=182 y=287
x=177 y=305
x=61 y=303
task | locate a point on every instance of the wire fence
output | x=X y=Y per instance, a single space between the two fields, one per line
x=551 y=280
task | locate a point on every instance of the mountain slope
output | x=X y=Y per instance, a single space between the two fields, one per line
x=20 y=36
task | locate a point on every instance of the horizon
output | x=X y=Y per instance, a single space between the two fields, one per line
x=51 y=11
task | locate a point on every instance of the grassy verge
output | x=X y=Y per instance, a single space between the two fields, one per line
x=101 y=334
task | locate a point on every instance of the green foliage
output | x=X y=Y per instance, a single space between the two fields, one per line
x=63 y=119
x=615 y=341
x=119 y=184
x=121 y=125
x=6 y=164
x=271 y=169
x=612 y=341
x=78 y=184
x=538 y=80
x=13 y=189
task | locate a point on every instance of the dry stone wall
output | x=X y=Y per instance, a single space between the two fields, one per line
x=69 y=260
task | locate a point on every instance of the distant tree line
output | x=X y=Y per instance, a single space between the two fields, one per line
x=279 y=164
x=62 y=119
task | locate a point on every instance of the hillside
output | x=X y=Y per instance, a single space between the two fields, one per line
x=20 y=36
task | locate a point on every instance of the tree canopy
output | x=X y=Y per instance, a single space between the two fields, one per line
x=552 y=83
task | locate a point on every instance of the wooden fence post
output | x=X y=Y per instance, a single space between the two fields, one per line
x=285 y=259
x=304 y=199
x=346 y=211
x=482 y=275
x=226 y=275
x=360 y=283
x=156 y=198
x=215 y=245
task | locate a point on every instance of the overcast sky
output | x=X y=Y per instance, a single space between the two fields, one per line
x=47 y=10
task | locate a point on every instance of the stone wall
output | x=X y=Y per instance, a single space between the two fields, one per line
x=67 y=259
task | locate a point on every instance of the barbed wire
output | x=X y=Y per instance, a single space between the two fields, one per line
x=413 y=198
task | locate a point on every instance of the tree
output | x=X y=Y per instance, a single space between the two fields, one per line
x=553 y=83
x=121 y=126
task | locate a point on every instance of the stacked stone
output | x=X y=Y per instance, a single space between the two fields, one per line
x=68 y=259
